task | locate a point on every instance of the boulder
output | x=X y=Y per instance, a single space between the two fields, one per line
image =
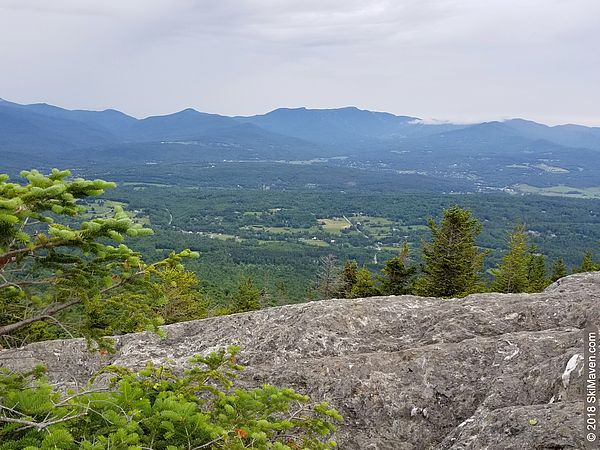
x=486 y=371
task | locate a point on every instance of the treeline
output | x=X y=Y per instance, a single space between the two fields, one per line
x=187 y=217
x=452 y=266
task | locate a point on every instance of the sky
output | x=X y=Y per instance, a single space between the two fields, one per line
x=455 y=60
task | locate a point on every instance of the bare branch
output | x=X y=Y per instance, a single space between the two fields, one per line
x=60 y=325
x=41 y=425
x=49 y=311
x=12 y=255
x=18 y=284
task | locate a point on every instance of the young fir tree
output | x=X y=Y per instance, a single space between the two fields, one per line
x=349 y=278
x=397 y=274
x=587 y=263
x=364 y=286
x=537 y=278
x=452 y=261
x=282 y=296
x=200 y=407
x=185 y=301
x=246 y=298
x=511 y=276
x=559 y=270
x=62 y=275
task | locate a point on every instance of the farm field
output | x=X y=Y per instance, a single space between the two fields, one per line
x=560 y=191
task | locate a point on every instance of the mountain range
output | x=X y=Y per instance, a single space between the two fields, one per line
x=42 y=134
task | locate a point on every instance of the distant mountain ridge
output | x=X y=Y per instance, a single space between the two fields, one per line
x=46 y=134
x=43 y=124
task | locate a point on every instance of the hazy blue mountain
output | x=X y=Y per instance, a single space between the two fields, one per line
x=356 y=126
x=568 y=135
x=185 y=124
x=33 y=130
x=51 y=133
x=479 y=138
x=330 y=126
x=112 y=121
x=500 y=153
x=240 y=142
x=36 y=124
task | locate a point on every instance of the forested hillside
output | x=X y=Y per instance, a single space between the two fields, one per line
x=278 y=237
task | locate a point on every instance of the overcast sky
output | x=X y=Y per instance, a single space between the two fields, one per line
x=459 y=60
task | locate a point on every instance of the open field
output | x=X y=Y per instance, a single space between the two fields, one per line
x=282 y=230
x=334 y=225
x=560 y=191
x=315 y=242
x=375 y=227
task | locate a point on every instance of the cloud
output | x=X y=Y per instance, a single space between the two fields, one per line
x=460 y=60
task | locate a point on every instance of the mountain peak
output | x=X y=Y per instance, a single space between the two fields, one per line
x=188 y=111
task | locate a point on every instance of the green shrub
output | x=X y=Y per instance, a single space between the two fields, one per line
x=157 y=409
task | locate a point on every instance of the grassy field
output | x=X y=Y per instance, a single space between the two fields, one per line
x=138 y=184
x=374 y=227
x=334 y=225
x=283 y=230
x=316 y=242
x=412 y=227
x=223 y=237
x=560 y=191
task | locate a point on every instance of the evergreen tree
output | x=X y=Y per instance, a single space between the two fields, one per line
x=536 y=271
x=184 y=301
x=587 y=263
x=52 y=271
x=349 y=278
x=282 y=296
x=246 y=298
x=559 y=270
x=201 y=407
x=266 y=299
x=364 y=286
x=452 y=261
x=311 y=294
x=511 y=275
x=397 y=274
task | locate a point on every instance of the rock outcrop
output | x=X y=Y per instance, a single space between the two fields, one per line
x=487 y=371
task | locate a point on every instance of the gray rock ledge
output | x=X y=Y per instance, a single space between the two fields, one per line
x=406 y=372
